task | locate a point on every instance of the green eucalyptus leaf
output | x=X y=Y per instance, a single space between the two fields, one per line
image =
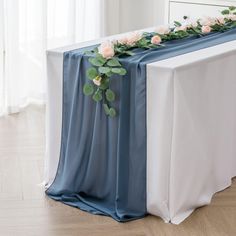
x=143 y=42
x=129 y=53
x=106 y=109
x=88 y=89
x=89 y=53
x=115 y=70
x=232 y=8
x=95 y=50
x=97 y=97
x=176 y=23
x=112 y=112
x=97 y=61
x=119 y=71
x=110 y=95
x=123 y=71
x=91 y=73
x=225 y=12
x=109 y=74
x=104 y=70
x=113 y=62
x=104 y=84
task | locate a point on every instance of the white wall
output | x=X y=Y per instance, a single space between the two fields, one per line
x=128 y=15
x=135 y=14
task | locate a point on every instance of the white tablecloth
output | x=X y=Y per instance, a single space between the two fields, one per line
x=191 y=127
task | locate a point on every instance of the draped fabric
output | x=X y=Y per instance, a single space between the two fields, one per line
x=102 y=167
x=27 y=29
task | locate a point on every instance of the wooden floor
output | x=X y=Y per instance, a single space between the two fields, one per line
x=25 y=210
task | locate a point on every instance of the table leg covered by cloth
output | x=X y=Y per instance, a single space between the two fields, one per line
x=190 y=128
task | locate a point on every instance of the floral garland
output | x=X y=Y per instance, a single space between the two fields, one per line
x=105 y=58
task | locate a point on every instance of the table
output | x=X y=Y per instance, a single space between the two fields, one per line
x=191 y=128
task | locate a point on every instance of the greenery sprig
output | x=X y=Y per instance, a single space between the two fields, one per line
x=105 y=61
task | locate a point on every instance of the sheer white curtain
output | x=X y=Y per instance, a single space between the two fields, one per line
x=27 y=29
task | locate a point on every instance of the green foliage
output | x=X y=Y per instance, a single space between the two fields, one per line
x=119 y=71
x=88 y=89
x=225 y=12
x=143 y=43
x=110 y=95
x=106 y=109
x=104 y=70
x=176 y=23
x=113 y=62
x=97 y=61
x=232 y=8
x=109 y=111
x=97 y=96
x=109 y=74
x=105 y=84
x=91 y=73
x=112 y=112
x=129 y=53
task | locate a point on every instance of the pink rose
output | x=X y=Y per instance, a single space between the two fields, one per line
x=206 y=29
x=221 y=20
x=231 y=17
x=194 y=24
x=209 y=21
x=123 y=40
x=106 y=49
x=190 y=24
x=114 y=41
x=162 y=29
x=130 y=39
x=133 y=38
x=97 y=80
x=156 y=40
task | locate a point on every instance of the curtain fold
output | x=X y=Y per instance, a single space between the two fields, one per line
x=27 y=29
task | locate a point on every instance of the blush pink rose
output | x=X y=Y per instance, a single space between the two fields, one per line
x=206 y=29
x=97 y=80
x=231 y=17
x=106 y=49
x=189 y=23
x=221 y=20
x=130 y=39
x=208 y=21
x=162 y=29
x=133 y=38
x=156 y=40
x=123 y=40
x=194 y=24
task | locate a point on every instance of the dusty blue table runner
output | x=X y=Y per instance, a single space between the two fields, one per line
x=102 y=165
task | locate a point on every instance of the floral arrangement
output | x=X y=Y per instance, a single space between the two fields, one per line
x=105 y=58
